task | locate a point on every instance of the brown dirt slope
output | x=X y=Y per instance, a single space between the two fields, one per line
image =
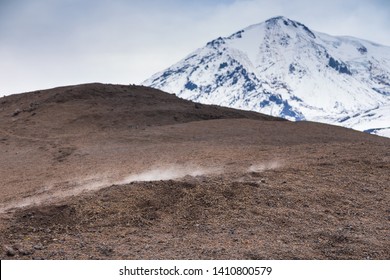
x=218 y=183
x=106 y=107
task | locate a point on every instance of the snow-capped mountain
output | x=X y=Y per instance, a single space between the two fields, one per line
x=282 y=68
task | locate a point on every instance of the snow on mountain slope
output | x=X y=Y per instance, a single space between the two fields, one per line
x=282 y=68
x=375 y=121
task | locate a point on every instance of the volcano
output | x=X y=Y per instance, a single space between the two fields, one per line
x=282 y=68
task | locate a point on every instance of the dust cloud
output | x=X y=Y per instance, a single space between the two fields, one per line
x=171 y=172
x=260 y=167
x=61 y=190
x=166 y=172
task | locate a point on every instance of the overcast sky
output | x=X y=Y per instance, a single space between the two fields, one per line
x=48 y=43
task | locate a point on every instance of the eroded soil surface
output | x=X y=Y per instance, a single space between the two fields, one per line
x=124 y=172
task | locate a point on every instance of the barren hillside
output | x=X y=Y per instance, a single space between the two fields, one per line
x=126 y=172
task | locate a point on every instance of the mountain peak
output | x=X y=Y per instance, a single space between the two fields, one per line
x=282 y=68
x=277 y=19
x=284 y=22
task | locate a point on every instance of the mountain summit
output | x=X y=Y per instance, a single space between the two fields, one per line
x=282 y=68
